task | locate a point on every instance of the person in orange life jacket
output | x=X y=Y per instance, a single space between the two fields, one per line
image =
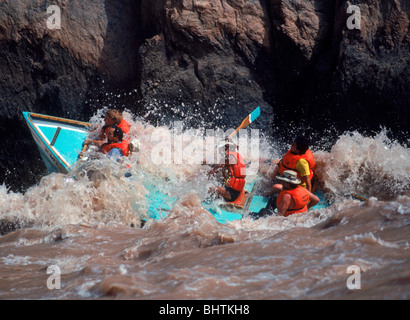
x=112 y=117
x=115 y=116
x=233 y=171
x=299 y=159
x=293 y=198
x=116 y=145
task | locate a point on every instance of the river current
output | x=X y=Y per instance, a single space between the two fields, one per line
x=81 y=237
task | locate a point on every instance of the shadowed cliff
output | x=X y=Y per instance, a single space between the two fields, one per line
x=213 y=60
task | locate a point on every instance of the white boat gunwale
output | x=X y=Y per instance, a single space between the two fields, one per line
x=43 y=142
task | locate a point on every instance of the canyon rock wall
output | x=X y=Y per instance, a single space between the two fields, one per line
x=210 y=60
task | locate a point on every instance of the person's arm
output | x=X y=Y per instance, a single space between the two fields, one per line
x=214 y=169
x=277 y=187
x=302 y=166
x=98 y=143
x=284 y=204
x=306 y=180
x=314 y=200
x=98 y=139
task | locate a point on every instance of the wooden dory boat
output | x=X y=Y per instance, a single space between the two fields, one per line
x=59 y=140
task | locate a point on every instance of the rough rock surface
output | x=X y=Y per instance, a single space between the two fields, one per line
x=55 y=71
x=214 y=60
x=205 y=52
x=296 y=57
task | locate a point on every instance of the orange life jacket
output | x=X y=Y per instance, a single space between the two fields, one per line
x=124 y=126
x=235 y=173
x=123 y=146
x=289 y=161
x=301 y=197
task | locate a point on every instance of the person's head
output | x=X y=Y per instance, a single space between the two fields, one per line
x=224 y=148
x=289 y=179
x=227 y=145
x=115 y=134
x=300 y=145
x=112 y=117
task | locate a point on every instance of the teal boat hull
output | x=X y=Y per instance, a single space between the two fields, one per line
x=60 y=142
x=160 y=204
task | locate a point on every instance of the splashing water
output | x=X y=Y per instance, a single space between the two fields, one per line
x=376 y=167
x=81 y=223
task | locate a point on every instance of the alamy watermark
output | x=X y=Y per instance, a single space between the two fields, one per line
x=54 y=20
x=54 y=280
x=199 y=146
x=354 y=21
x=354 y=281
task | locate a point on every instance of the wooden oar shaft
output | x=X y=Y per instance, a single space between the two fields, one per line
x=359 y=197
x=82 y=151
x=243 y=125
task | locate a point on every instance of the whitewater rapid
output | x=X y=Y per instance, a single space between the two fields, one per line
x=91 y=229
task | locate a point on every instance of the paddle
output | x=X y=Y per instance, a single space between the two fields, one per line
x=247 y=121
x=82 y=151
x=359 y=197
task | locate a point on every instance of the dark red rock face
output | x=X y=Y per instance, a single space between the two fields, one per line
x=298 y=59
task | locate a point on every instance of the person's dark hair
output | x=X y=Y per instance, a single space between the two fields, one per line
x=302 y=144
x=118 y=132
x=115 y=115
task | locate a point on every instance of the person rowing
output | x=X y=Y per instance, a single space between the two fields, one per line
x=116 y=145
x=233 y=172
x=111 y=117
